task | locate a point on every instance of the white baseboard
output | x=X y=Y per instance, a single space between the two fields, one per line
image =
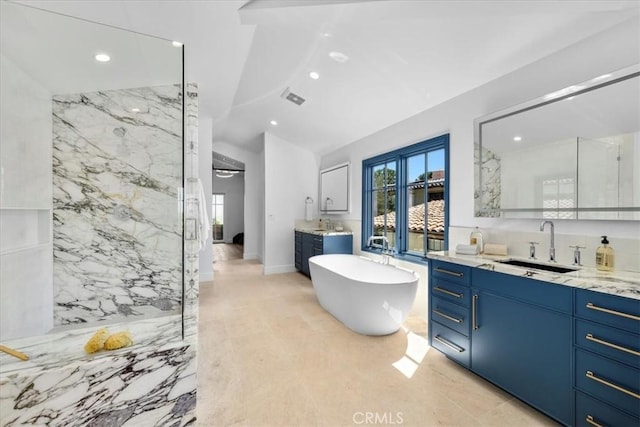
x=206 y=277
x=249 y=255
x=279 y=269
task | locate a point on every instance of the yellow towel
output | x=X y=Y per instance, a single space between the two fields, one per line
x=96 y=342
x=118 y=340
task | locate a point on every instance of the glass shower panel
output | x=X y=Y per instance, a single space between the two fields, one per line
x=91 y=174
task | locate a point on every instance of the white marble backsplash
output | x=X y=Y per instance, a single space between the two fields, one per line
x=116 y=208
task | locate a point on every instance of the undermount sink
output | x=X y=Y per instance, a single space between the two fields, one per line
x=537 y=266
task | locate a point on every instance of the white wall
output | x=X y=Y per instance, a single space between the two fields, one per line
x=205 y=158
x=291 y=174
x=580 y=62
x=26 y=254
x=253 y=190
x=233 y=190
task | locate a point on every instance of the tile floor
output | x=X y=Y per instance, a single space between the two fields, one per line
x=269 y=355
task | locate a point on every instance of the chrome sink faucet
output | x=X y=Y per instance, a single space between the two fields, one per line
x=552 y=247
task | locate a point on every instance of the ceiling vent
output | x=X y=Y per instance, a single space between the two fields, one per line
x=290 y=96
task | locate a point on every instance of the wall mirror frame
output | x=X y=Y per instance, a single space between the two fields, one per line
x=571 y=154
x=334 y=189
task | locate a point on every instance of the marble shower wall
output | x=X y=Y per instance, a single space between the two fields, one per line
x=117 y=218
x=487 y=196
x=152 y=383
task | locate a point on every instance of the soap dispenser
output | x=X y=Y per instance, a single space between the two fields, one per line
x=604 y=256
x=476 y=239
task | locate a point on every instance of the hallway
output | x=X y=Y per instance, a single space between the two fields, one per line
x=269 y=355
x=226 y=252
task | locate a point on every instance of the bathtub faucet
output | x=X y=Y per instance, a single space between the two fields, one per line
x=372 y=239
x=384 y=246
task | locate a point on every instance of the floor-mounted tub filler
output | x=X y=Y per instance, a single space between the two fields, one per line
x=368 y=297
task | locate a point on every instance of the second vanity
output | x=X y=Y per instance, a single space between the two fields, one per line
x=310 y=242
x=567 y=344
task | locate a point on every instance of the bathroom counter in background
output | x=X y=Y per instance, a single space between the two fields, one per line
x=621 y=283
x=322 y=232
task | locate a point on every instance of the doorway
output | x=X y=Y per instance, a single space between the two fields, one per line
x=217 y=208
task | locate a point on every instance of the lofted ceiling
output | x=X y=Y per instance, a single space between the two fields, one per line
x=403 y=56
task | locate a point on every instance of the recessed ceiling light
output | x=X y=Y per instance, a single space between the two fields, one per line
x=135 y=110
x=176 y=44
x=517 y=138
x=273 y=123
x=102 y=57
x=314 y=75
x=338 y=56
x=325 y=34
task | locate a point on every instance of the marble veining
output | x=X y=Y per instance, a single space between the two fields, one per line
x=487 y=198
x=127 y=389
x=621 y=283
x=153 y=382
x=116 y=215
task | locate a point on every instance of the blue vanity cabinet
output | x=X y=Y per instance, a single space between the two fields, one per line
x=607 y=359
x=310 y=244
x=449 y=310
x=521 y=339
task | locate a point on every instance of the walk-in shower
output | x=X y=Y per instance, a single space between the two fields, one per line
x=92 y=174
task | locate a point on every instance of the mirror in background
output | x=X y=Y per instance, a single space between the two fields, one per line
x=91 y=159
x=572 y=154
x=334 y=189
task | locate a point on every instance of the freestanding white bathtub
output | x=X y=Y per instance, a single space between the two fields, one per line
x=368 y=297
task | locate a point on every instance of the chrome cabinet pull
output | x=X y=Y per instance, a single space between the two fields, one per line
x=448 y=292
x=474 y=313
x=592 y=306
x=448 y=344
x=452 y=273
x=590 y=337
x=592 y=376
x=446 y=316
x=593 y=422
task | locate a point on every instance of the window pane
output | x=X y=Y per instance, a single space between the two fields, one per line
x=415 y=202
x=378 y=176
x=436 y=206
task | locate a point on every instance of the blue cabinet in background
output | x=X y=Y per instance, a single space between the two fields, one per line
x=310 y=244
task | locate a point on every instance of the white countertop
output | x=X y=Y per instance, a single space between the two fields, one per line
x=323 y=232
x=621 y=283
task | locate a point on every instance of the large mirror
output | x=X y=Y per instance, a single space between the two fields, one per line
x=572 y=154
x=334 y=189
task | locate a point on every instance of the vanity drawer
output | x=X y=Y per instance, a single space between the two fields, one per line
x=451 y=315
x=608 y=380
x=607 y=341
x=454 y=345
x=452 y=272
x=608 y=309
x=544 y=294
x=451 y=291
x=591 y=412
